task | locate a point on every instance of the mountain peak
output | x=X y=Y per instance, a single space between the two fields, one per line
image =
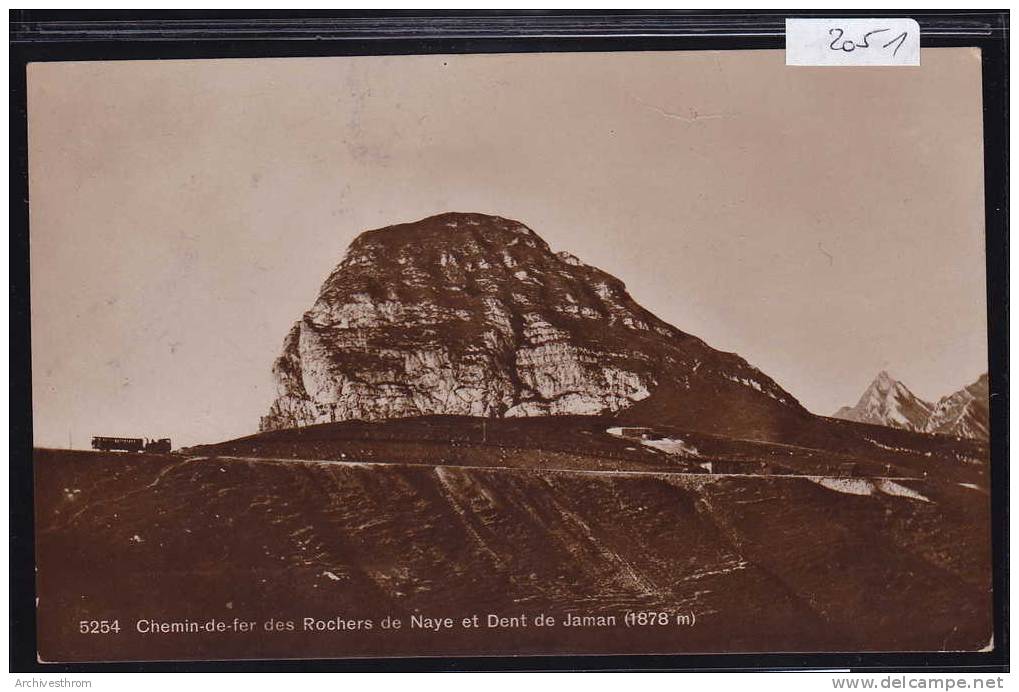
x=965 y=413
x=473 y=314
x=448 y=228
x=889 y=402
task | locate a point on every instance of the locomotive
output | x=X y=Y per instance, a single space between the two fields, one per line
x=131 y=444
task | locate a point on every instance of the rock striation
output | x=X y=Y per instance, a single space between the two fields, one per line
x=471 y=314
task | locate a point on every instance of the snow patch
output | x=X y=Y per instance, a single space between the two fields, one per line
x=746 y=382
x=848 y=486
x=890 y=449
x=892 y=488
x=672 y=446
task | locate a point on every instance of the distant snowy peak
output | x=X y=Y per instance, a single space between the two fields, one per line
x=889 y=402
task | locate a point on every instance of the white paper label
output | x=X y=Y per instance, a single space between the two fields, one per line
x=852 y=42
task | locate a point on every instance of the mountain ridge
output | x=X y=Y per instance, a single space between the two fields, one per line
x=965 y=413
x=889 y=402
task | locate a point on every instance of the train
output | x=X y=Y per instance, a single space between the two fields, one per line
x=131 y=444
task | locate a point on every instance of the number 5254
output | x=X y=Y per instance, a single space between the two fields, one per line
x=99 y=626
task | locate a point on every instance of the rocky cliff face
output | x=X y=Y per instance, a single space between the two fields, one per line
x=472 y=314
x=965 y=413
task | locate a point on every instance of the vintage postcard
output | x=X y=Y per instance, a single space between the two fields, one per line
x=508 y=354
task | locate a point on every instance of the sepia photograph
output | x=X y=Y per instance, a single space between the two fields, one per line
x=509 y=354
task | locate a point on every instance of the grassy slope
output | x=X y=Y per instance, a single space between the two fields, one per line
x=581 y=442
x=768 y=564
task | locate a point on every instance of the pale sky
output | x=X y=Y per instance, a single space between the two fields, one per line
x=824 y=223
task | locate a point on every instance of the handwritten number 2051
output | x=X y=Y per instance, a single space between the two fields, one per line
x=849 y=46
